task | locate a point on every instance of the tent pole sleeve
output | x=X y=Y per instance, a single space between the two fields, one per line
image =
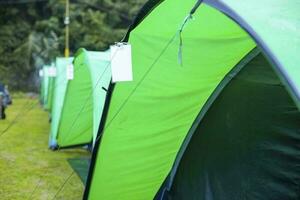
x=98 y=141
x=196 y=6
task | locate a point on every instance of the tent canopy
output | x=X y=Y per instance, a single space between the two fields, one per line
x=51 y=82
x=84 y=99
x=44 y=86
x=150 y=117
x=60 y=87
x=245 y=146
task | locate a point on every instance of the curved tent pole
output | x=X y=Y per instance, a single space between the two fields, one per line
x=98 y=140
x=275 y=63
x=167 y=184
x=278 y=68
x=148 y=7
x=194 y=9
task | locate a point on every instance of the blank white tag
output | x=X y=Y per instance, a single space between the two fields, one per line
x=121 y=63
x=41 y=73
x=52 y=72
x=70 y=72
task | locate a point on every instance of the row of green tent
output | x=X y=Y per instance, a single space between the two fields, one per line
x=75 y=104
x=47 y=83
x=212 y=112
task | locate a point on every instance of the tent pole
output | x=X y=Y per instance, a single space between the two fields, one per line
x=67 y=22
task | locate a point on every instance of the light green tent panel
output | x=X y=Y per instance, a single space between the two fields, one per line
x=84 y=99
x=42 y=86
x=149 y=118
x=45 y=85
x=264 y=18
x=48 y=102
x=60 y=87
x=51 y=82
x=142 y=136
x=101 y=76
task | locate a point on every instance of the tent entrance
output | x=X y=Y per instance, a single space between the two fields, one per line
x=248 y=138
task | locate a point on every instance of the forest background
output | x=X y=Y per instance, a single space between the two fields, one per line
x=32 y=33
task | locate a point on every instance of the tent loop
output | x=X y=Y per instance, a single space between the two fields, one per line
x=105 y=89
x=185 y=21
x=196 y=6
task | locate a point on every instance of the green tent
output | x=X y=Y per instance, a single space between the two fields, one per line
x=84 y=99
x=44 y=86
x=41 y=75
x=214 y=104
x=50 y=88
x=47 y=86
x=60 y=86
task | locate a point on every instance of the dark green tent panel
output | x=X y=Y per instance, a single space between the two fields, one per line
x=154 y=121
x=245 y=147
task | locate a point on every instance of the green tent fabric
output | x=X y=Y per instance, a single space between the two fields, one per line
x=59 y=91
x=44 y=86
x=81 y=167
x=47 y=86
x=242 y=150
x=149 y=118
x=84 y=99
x=51 y=82
x=284 y=21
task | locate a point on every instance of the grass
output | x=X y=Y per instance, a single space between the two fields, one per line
x=28 y=169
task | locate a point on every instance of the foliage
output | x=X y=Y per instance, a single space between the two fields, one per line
x=32 y=34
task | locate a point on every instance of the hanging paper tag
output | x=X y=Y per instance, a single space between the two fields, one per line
x=52 y=72
x=121 y=63
x=70 y=72
x=41 y=73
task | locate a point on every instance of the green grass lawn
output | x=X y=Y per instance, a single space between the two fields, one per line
x=28 y=169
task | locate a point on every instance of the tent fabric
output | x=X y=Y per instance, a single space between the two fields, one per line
x=247 y=149
x=263 y=19
x=42 y=88
x=80 y=166
x=84 y=99
x=149 y=118
x=51 y=82
x=140 y=144
x=101 y=77
x=60 y=87
x=42 y=84
x=45 y=86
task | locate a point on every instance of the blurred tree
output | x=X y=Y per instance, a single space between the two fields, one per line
x=32 y=33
